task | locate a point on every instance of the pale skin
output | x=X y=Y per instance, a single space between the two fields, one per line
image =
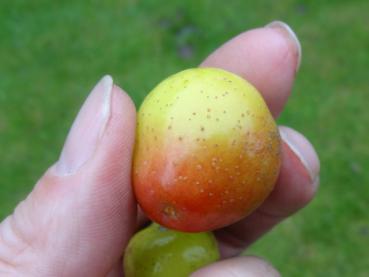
x=81 y=213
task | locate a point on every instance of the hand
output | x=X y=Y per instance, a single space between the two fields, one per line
x=82 y=213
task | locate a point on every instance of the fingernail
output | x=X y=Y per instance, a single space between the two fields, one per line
x=290 y=34
x=87 y=129
x=303 y=150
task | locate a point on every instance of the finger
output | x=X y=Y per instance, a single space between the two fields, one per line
x=82 y=212
x=267 y=57
x=296 y=186
x=240 y=266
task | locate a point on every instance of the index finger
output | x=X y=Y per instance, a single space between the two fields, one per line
x=269 y=58
x=265 y=58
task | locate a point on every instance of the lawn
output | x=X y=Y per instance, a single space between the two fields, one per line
x=53 y=52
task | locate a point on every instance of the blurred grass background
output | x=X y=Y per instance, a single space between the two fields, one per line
x=53 y=52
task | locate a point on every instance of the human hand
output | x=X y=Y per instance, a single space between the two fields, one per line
x=82 y=212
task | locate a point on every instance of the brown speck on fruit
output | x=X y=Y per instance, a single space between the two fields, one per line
x=214 y=162
x=170 y=212
x=193 y=113
x=169 y=127
x=180 y=138
x=202 y=128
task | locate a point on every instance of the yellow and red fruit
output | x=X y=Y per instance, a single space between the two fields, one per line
x=207 y=150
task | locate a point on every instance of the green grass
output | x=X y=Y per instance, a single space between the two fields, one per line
x=52 y=53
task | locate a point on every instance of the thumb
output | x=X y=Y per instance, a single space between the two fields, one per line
x=247 y=266
x=81 y=213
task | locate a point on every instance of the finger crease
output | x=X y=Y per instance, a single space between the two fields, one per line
x=231 y=238
x=270 y=215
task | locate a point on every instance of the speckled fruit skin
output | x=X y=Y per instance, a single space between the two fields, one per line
x=157 y=251
x=207 y=150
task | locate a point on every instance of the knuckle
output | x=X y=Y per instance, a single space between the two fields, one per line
x=14 y=246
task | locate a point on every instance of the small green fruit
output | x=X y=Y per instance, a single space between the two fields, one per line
x=157 y=251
